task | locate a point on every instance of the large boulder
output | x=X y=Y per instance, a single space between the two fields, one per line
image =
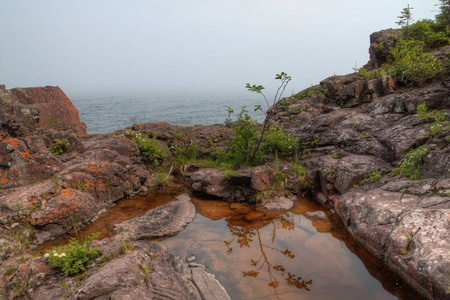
x=26 y=110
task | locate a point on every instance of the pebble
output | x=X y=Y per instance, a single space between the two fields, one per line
x=191 y=259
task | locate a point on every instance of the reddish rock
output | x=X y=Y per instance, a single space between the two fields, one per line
x=26 y=110
x=25 y=160
x=263 y=177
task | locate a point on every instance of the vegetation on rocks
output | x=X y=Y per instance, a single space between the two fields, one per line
x=150 y=148
x=59 y=146
x=410 y=165
x=439 y=118
x=73 y=257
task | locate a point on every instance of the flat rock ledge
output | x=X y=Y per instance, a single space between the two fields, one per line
x=166 y=220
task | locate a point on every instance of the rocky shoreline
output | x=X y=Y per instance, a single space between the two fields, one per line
x=350 y=129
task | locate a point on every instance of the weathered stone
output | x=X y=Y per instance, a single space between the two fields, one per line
x=25 y=160
x=263 y=177
x=381 y=43
x=165 y=220
x=406 y=223
x=211 y=182
x=26 y=110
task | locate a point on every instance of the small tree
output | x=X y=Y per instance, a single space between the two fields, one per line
x=405 y=17
x=443 y=18
x=284 y=78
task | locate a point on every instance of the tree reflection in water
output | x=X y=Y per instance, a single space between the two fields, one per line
x=245 y=236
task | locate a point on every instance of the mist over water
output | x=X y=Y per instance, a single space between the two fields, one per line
x=106 y=113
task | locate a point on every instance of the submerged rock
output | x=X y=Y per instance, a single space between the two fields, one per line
x=168 y=219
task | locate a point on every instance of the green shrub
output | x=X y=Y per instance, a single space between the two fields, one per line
x=366 y=74
x=372 y=177
x=185 y=154
x=427 y=32
x=245 y=138
x=311 y=92
x=59 y=146
x=73 y=257
x=300 y=171
x=438 y=117
x=410 y=165
x=276 y=142
x=150 y=148
x=412 y=65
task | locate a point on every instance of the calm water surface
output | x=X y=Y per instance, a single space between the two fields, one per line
x=105 y=113
x=267 y=255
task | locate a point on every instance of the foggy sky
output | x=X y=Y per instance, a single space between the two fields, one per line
x=175 y=46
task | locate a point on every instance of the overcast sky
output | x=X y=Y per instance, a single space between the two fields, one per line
x=171 y=46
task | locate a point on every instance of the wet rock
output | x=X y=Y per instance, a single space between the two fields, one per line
x=317 y=215
x=207 y=284
x=165 y=220
x=278 y=203
x=407 y=224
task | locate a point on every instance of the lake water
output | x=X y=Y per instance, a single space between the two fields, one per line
x=105 y=114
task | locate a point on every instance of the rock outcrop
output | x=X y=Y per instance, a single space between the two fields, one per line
x=58 y=192
x=27 y=110
x=353 y=133
x=147 y=272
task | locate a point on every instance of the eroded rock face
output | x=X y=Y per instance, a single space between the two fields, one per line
x=358 y=131
x=97 y=172
x=166 y=220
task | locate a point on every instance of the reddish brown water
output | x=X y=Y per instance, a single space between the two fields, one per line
x=257 y=254
x=125 y=209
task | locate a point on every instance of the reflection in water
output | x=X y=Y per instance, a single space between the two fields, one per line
x=261 y=255
x=245 y=238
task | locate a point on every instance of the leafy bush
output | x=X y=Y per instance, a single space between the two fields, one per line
x=412 y=65
x=73 y=257
x=427 y=32
x=311 y=92
x=278 y=142
x=410 y=165
x=150 y=148
x=184 y=154
x=438 y=117
x=372 y=177
x=366 y=74
x=245 y=138
x=59 y=146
